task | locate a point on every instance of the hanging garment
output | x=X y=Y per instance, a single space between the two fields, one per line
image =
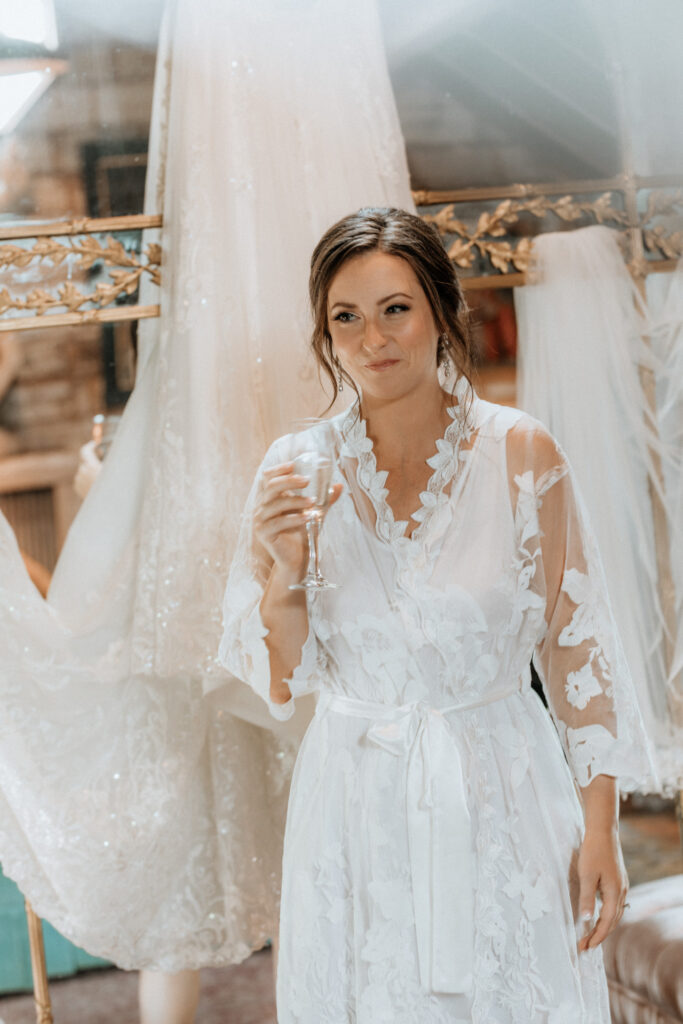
x=665 y=305
x=429 y=870
x=136 y=814
x=581 y=324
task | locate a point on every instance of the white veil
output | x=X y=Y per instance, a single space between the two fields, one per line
x=581 y=324
x=665 y=302
x=135 y=814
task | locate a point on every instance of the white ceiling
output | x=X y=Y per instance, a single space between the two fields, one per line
x=492 y=92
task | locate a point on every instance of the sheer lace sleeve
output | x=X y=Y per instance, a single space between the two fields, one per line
x=243 y=650
x=578 y=656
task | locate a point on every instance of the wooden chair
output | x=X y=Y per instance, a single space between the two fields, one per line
x=41 y=992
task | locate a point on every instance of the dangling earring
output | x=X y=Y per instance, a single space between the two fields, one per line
x=340 y=379
x=443 y=352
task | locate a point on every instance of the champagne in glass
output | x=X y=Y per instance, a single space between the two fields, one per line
x=314 y=459
x=318 y=467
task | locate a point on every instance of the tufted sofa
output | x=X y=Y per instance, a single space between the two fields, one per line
x=644 y=956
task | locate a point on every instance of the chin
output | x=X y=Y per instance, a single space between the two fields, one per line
x=384 y=389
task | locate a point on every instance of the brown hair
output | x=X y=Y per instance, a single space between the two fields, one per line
x=398 y=233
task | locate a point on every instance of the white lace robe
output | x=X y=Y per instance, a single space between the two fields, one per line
x=433 y=824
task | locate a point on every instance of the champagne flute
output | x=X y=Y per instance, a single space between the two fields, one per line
x=314 y=457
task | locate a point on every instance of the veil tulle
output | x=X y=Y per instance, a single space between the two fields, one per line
x=581 y=325
x=136 y=814
x=665 y=302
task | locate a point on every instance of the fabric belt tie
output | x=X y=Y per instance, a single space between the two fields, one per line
x=439 y=830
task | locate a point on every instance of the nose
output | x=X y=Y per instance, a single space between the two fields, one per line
x=373 y=339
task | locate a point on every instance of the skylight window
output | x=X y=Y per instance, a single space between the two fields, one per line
x=18 y=93
x=30 y=20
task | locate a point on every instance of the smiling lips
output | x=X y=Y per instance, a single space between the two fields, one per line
x=384 y=365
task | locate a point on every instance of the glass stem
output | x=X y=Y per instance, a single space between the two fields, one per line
x=313 y=532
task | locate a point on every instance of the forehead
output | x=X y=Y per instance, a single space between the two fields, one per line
x=371 y=276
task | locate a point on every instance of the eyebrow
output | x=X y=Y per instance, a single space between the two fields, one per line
x=351 y=305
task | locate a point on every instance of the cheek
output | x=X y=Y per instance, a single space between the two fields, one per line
x=344 y=342
x=419 y=333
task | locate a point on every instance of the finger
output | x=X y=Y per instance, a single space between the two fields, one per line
x=281 y=506
x=607 y=920
x=284 y=524
x=281 y=469
x=588 y=885
x=585 y=939
x=336 y=491
x=273 y=499
x=285 y=482
x=270 y=530
x=622 y=904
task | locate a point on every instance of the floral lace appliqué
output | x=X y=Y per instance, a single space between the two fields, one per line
x=433 y=499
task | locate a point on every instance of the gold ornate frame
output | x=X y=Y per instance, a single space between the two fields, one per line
x=632 y=205
x=637 y=207
x=74 y=240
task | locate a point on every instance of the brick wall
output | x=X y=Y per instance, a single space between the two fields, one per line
x=46 y=413
x=105 y=95
x=58 y=390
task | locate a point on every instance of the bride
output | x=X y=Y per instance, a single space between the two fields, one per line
x=438 y=864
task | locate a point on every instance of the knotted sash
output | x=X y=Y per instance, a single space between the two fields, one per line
x=439 y=829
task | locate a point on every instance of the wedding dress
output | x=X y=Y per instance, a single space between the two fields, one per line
x=430 y=853
x=136 y=813
x=665 y=305
x=581 y=325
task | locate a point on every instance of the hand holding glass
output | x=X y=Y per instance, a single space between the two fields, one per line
x=314 y=457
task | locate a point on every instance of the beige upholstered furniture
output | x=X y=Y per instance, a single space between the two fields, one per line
x=644 y=956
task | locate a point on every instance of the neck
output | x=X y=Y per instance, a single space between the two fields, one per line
x=402 y=428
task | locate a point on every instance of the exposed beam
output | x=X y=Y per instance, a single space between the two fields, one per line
x=88 y=316
x=79 y=226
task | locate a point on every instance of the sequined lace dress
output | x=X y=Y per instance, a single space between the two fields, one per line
x=137 y=813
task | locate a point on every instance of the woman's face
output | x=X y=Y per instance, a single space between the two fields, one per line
x=382 y=327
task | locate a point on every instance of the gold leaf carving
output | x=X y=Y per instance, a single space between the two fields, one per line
x=461 y=253
x=494 y=224
x=522 y=254
x=38 y=300
x=658 y=241
x=124 y=270
x=500 y=254
x=71 y=297
x=538 y=206
x=660 y=202
x=5 y=301
x=154 y=254
x=14 y=256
